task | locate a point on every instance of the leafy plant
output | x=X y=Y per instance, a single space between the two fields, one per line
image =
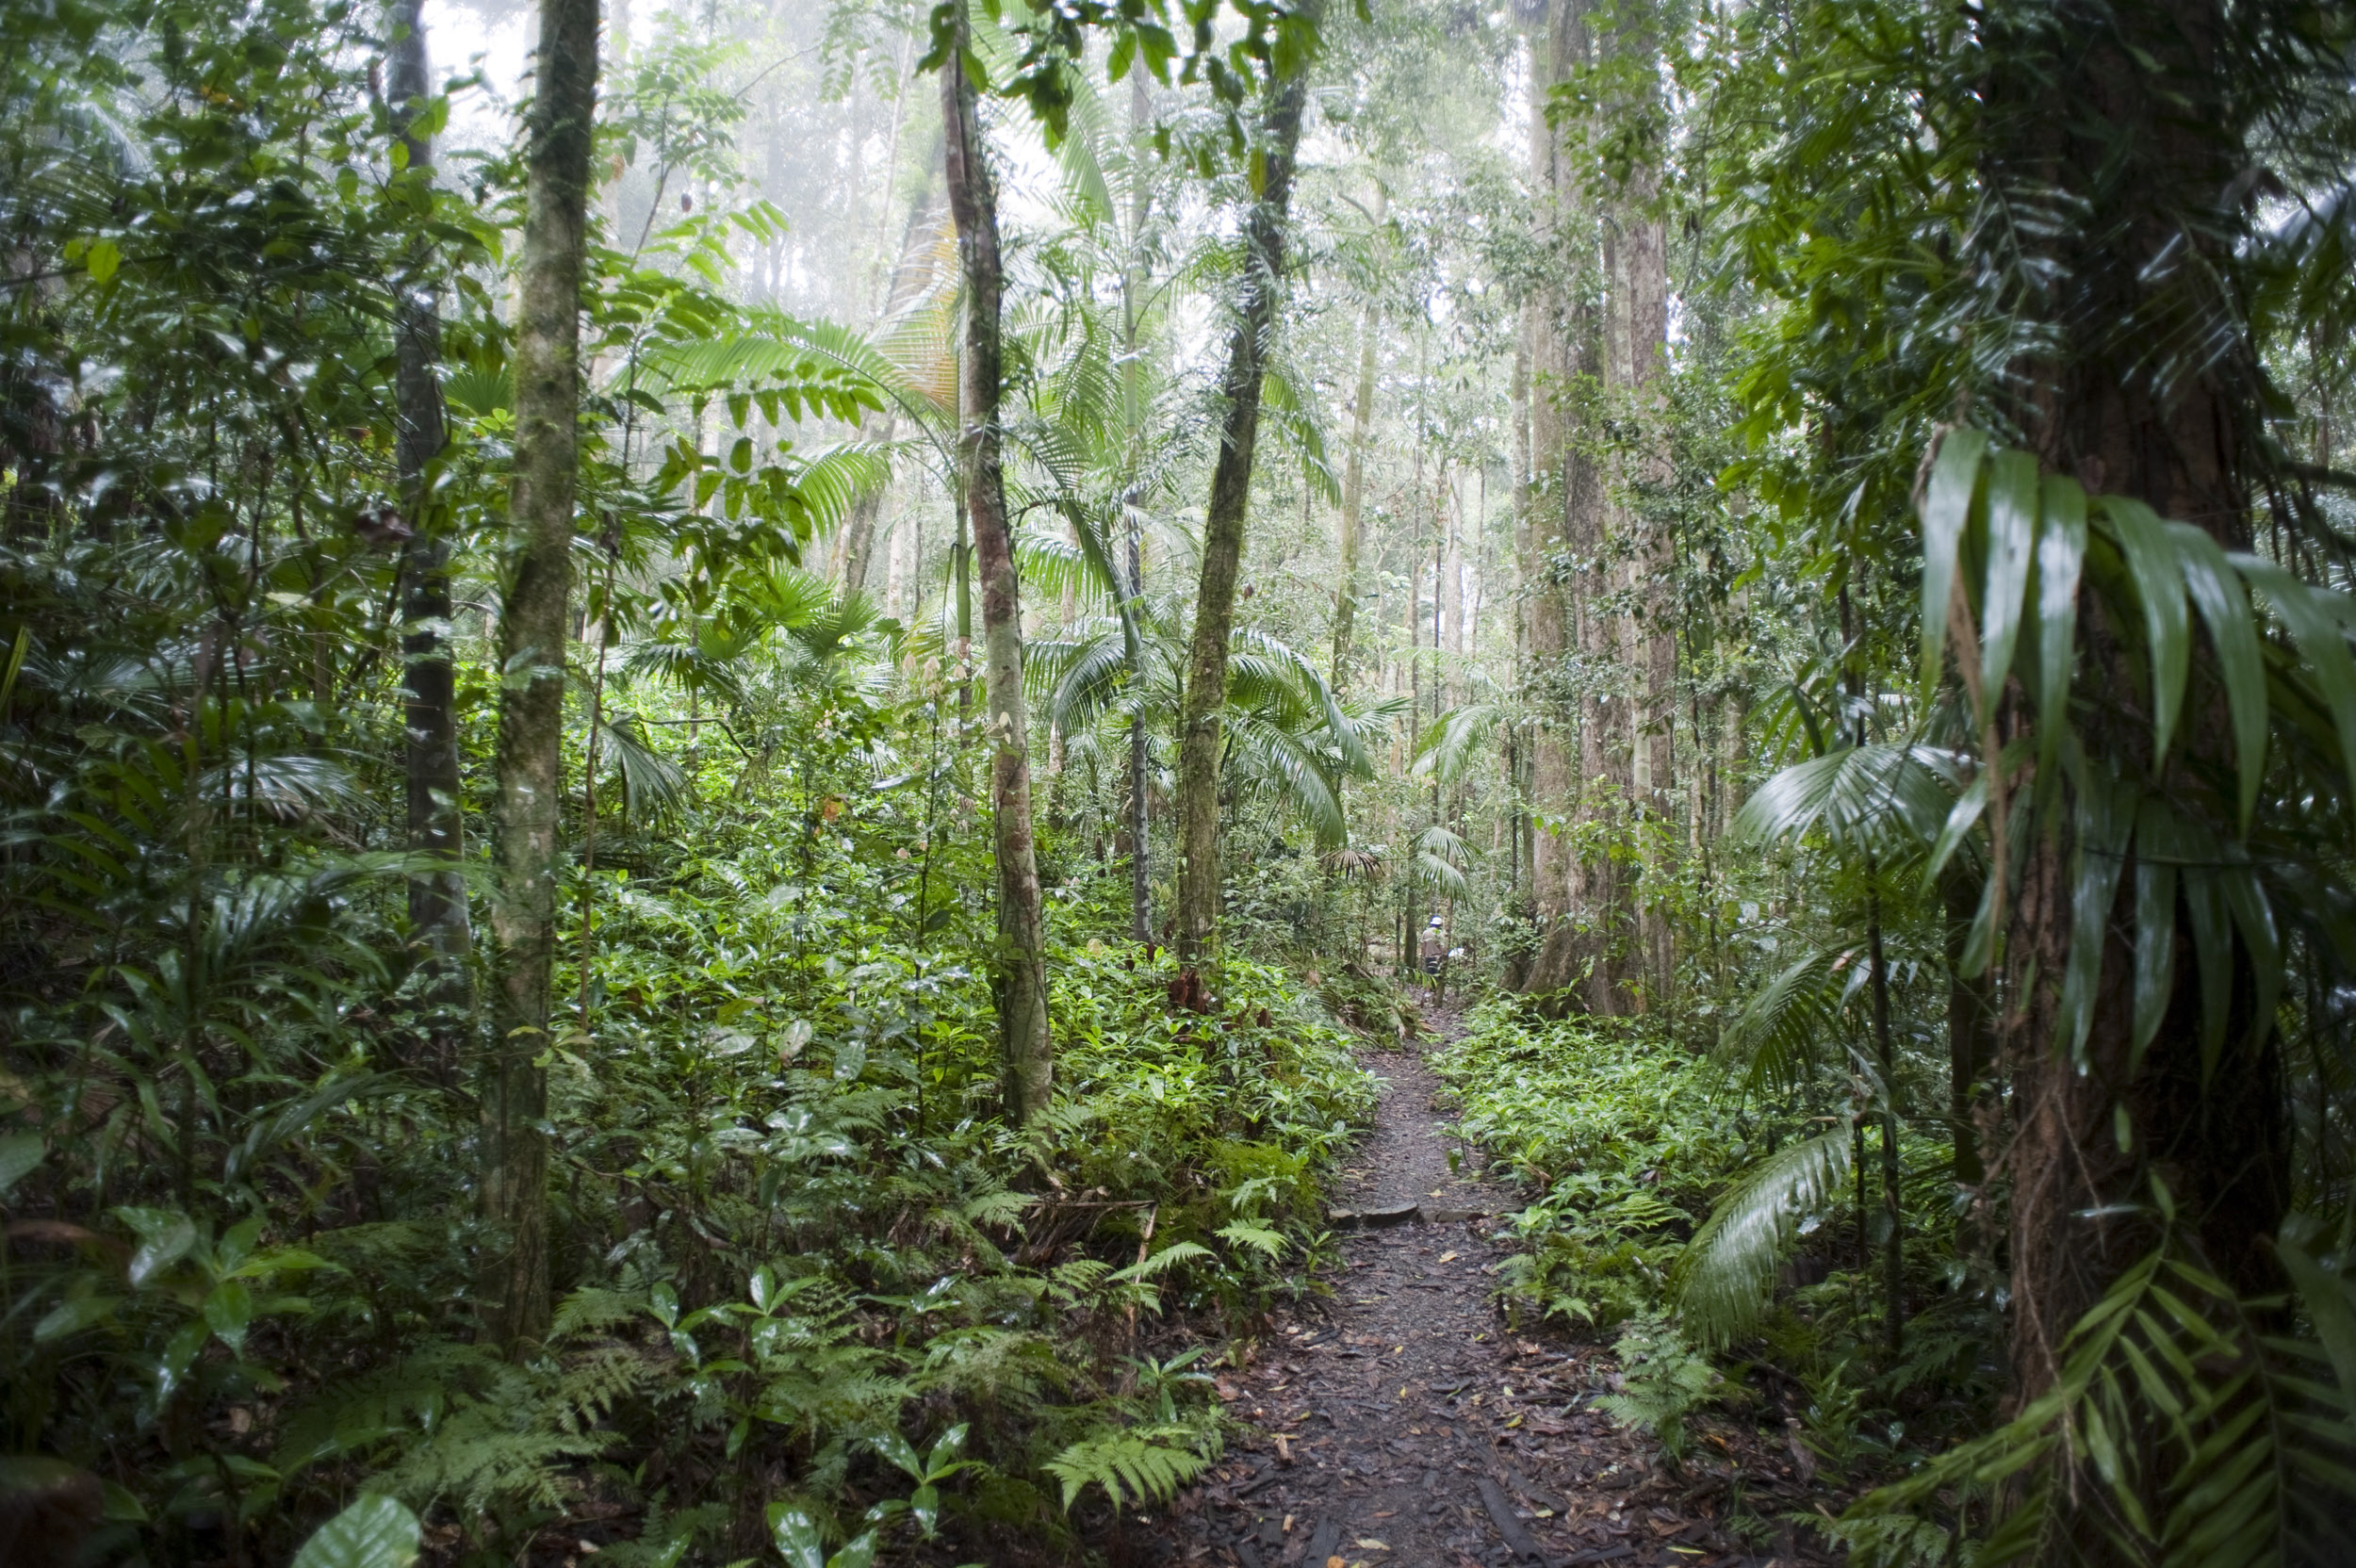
x=1662 y=1382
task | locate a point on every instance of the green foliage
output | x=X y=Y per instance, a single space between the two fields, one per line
x=374 y=1532
x=1726 y=1274
x=1662 y=1382
x=1140 y=1465
x=1617 y=1131
x=2246 y=1462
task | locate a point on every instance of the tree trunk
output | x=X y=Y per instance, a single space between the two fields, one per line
x=1354 y=474
x=2128 y=114
x=1581 y=899
x=1133 y=530
x=1018 y=964
x=1223 y=525
x=1635 y=369
x=438 y=919
x=532 y=653
x=1543 y=619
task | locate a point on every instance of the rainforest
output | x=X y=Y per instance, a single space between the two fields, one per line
x=1249 y=783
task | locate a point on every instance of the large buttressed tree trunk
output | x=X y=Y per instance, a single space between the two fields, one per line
x=1020 y=963
x=1198 y=733
x=437 y=898
x=532 y=658
x=1579 y=899
x=2129 y=112
x=1542 y=534
x=1636 y=270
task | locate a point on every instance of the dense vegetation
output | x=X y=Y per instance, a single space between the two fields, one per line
x=707 y=756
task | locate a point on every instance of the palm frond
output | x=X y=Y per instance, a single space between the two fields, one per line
x=1889 y=800
x=1773 y=1038
x=1452 y=742
x=1723 y=1279
x=1271 y=762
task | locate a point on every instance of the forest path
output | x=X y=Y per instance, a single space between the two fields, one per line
x=1398 y=1424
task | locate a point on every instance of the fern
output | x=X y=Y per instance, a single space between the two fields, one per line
x=2176 y=1434
x=1145 y=1465
x=1662 y=1383
x=1267 y=1242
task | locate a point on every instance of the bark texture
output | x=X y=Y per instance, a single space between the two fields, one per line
x=1579 y=762
x=438 y=919
x=532 y=628
x=1206 y=695
x=1021 y=972
x=2129 y=112
x=1551 y=767
x=1354 y=475
x=1636 y=368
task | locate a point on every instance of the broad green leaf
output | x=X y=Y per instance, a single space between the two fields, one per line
x=2159 y=577
x=2225 y=607
x=796 y=1536
x=72 y=1317
x=2107 y=809
x=165 y=1237
x=2012 y=530
x=2254 y=916
x=2318 y=620
x=2156 y=853
x=900 y=1452
x=229 y=1311
x=19 y=1154
x=2060 y=555
x=2212 y=941
x=374 y=1532
x=1961 y=818
x=1946 y=507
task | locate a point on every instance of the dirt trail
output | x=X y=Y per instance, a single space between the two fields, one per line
x=1400 y=1425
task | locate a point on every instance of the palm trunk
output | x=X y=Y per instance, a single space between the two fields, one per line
x=1019 y=961
x=437 y=898
x=1222 y=524
x=514 y=1287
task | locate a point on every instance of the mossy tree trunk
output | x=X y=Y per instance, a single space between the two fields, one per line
x=533 y=630
x=1020 y=969
x=1199 y=733
x=438 y=920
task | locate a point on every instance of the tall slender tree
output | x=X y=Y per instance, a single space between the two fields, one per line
x=1133 y=282
x=533 y=628
x=1284 y=103
x=1019 y=961
x=1348 y=524
x=438 y=916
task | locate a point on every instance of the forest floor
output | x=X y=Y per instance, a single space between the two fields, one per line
x=1398 y=1424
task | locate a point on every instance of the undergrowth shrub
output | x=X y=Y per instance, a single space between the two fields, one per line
x=1627 y=1143
x=1617 y=1131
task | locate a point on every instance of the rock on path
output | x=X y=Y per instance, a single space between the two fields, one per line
x=1400 y=1424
